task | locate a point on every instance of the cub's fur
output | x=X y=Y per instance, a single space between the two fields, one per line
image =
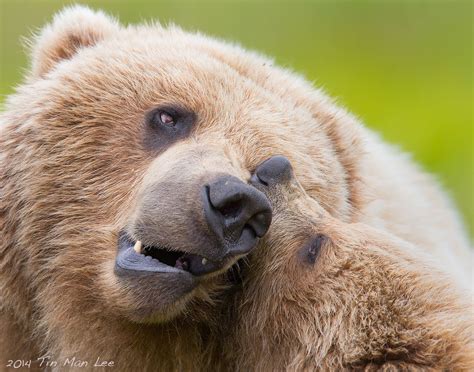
x=368 y=300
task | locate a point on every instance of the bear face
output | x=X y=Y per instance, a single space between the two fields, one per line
x=367 y=299
x=155 y=140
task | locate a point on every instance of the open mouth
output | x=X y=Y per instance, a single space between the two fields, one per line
x=133 y=255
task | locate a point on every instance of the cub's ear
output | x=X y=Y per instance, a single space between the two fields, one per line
x=71 y=29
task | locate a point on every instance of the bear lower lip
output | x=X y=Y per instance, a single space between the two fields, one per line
x=160 y=260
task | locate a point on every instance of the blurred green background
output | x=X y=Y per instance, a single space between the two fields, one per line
x=404 y=67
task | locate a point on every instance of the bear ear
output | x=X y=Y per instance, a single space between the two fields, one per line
x=71 y=29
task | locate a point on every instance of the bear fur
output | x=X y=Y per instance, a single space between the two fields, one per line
x=74 y=170
x=368 y=300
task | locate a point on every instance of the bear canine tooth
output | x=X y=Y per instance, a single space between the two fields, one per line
x=138 y=246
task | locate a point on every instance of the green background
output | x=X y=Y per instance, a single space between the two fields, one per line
x=404 y=67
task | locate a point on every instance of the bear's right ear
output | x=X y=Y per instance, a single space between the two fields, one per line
x=72 y=29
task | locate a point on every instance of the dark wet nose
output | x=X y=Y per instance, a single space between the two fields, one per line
x=273 y=171
x=236 y=212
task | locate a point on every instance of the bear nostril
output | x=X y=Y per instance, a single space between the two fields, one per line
x=260 y=223
x=272 y=171
x=256 y=180
x=231 y=210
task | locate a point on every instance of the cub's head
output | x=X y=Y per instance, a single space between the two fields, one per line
x=322 y=292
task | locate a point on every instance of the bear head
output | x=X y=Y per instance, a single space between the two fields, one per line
x=322 y=293
x=125 y=160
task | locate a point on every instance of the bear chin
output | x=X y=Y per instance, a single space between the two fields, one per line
x=163 y=284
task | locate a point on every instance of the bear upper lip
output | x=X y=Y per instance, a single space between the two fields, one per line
x=159 y=259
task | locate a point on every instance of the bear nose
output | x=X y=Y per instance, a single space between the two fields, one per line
x=237 y=213
x=273 y=171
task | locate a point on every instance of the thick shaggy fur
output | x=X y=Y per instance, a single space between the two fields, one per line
x=72 y=166
x=368 y=300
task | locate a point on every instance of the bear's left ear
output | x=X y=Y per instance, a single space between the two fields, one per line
x=72 y=29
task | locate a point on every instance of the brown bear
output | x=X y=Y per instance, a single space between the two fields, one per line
x=367 y=299
x=146 y=136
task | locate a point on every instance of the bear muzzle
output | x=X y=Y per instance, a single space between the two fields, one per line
x=233 y=217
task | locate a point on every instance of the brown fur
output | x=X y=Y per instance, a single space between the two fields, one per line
x=74 y=171
x=370 y=301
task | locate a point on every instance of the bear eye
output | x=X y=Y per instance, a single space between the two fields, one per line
x=312 y=249
x=165 y=125
x=166 y=118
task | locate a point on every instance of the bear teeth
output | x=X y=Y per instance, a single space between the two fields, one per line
x=138 y=246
